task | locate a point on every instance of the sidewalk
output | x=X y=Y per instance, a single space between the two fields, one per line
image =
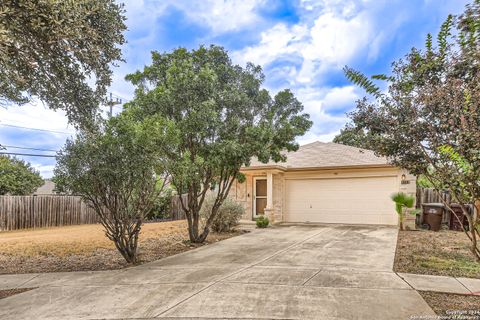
x=423 y=282
x=419 y=282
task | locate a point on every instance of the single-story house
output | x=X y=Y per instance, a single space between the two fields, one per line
x=324 y=183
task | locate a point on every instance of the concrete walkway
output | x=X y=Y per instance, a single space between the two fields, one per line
x=425 y=282
x=295 y=272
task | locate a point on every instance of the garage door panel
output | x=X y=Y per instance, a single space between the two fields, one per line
x=353 y=200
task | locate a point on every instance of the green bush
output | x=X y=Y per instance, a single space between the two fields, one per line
x=227 y=216
x=162 y=206
x=402 y=203
x=262 y=222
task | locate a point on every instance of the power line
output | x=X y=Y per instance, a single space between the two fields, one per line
x=119 y=97
x=28 y=148
x=28 y=154
x=36 y=129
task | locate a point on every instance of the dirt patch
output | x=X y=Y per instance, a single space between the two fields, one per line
x=438 y=253
x=453 y=306
x=82 y=248
x=11 y=292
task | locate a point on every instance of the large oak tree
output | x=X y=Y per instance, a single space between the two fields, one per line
x=222 y=117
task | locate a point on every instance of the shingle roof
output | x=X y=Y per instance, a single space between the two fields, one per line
x=326 y=155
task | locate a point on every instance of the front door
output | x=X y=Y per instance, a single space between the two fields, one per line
x=259 y=196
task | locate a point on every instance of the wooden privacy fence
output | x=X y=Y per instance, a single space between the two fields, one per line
x=21 y=212
x=430 y=195
x=176 y=210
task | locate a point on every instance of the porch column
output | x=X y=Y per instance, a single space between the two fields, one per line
x=269 y=191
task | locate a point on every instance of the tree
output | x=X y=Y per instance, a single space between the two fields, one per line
x=352 y=136
x=403 y=202
x=429 y=121
x=221 y=118
x=116 y=171
x=54 y=50
x=17 y=177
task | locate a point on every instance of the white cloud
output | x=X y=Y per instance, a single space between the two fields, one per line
x=333 y=39
x=222 y=15
x=46 y=171
x=278 y=42
x=219 y=15
x=340 y=97
x=36 y=116
x=318 y=101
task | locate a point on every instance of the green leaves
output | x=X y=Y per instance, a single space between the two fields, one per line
x=17 y=177
x=219 y=117
x=362 y=81
x=403 y=200
x=60 y=52
x=428 y=121
x=443 y=35
x=353 y=136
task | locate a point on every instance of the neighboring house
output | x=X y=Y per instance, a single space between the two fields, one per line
x=47 y=188
x=325 y=183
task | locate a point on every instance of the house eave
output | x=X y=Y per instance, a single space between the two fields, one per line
x=290 y=169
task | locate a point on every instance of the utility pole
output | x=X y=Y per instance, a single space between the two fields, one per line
x=111 y=103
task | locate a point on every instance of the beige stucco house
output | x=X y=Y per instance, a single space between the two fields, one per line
x=324 y=183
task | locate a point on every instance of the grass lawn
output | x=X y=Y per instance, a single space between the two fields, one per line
x=438 y=253
x=85 y=247
x=453 y=306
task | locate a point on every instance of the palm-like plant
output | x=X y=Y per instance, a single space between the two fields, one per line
x=402 y=203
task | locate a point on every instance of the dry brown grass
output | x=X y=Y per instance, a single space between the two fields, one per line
x=439 y=253
x=453 y=306
x=85 y=247
x=77 y=240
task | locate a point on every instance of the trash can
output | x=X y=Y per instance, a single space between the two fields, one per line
x=432 y=215
x=455 y=224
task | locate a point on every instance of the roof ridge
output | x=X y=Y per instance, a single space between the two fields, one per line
x=311 y=144
x=351 y=147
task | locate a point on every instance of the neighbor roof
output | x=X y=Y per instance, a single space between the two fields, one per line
x=325 y=155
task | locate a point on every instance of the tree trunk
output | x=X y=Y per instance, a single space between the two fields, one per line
x=401 y=216
x=473 y=239
x=193 y=223
x=202 y=237
x=128 y=251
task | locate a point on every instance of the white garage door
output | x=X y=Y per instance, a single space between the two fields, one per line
x=352 y=200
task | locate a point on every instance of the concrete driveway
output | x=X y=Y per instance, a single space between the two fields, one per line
x=288 y=272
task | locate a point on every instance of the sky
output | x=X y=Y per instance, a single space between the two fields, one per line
x=302 y=45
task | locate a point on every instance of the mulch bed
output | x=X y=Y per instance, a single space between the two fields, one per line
x=453 y=306
x=445 y=253
x=11 y=292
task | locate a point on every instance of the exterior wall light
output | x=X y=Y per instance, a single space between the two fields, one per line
x=404 y=179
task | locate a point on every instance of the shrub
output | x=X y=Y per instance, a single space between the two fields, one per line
x=162 y=206
x=402 y=203
x=117 y=170
x=228 y=214
x=262 y=222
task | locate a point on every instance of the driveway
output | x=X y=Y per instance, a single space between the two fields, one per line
x=288 y=272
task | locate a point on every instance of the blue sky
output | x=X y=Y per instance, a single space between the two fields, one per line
x=301 y=45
